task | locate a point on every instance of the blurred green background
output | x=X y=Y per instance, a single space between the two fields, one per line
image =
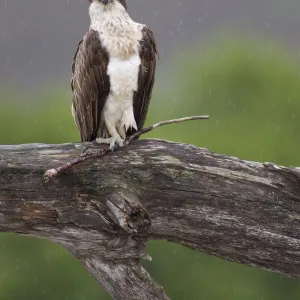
x=251 y=89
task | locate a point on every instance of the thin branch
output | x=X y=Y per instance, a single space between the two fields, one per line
x=54 y=172
x=167 y=122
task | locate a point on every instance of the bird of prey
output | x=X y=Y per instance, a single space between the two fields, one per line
x=113 y=74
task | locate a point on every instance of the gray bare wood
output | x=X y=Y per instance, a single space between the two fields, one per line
x=104 y=210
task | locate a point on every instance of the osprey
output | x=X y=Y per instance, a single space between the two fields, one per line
x=112 y=74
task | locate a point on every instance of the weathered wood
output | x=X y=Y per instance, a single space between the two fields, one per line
x=105 y=210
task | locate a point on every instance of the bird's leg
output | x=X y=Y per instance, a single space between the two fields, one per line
x=114 y=140
x=122 y=131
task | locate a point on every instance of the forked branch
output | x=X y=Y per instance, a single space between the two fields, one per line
x=54 y=172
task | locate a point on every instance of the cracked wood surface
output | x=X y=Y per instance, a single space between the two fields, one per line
x=104 y=210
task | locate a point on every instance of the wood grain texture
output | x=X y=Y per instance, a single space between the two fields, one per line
x=243 y=211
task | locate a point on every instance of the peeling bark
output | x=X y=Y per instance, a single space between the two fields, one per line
x=104 y=210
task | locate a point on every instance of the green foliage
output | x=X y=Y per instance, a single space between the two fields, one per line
x=37 y=119
x=188 y=274
x=251 y=91
x=34 y=269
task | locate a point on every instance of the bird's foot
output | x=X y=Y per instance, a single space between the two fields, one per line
x=113 y=142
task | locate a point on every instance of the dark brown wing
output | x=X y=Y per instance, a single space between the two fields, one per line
x=90 y=85
x=148 y=54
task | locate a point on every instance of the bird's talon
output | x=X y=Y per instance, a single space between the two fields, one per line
x=121 y=143
x=115 y=143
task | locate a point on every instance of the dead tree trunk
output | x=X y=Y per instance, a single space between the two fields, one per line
x=105 y=210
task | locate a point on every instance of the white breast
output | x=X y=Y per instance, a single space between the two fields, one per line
x=123 y=74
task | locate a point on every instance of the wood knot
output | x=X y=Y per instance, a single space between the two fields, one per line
x=128 y=212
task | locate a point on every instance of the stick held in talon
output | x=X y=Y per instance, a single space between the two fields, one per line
x=101 y=152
